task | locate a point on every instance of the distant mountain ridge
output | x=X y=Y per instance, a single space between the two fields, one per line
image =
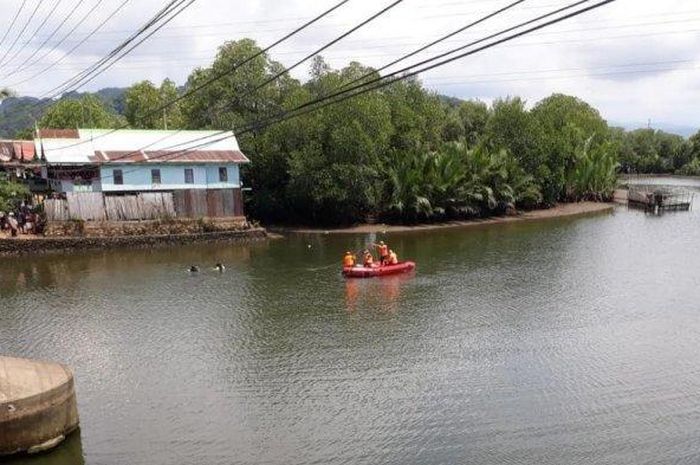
x=681 y=130
x=19 y=113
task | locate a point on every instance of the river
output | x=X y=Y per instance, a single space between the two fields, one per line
x=566 y=341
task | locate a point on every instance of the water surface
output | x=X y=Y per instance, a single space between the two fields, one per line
x=567 y=341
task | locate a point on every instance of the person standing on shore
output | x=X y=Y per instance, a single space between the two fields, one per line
x=12 y=223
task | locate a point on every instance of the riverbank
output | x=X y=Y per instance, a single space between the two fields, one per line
x=24 y=245
x=568 y=210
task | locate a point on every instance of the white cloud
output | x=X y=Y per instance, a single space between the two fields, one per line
x=633 y=59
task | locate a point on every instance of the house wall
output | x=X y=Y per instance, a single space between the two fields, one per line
x=138 y=177
x=66 y=186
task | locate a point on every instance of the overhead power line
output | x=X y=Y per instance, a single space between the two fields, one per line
x=58 y=44
x=409 y=72
x=309 y=56
x=26 y=62
x=348 y=88
x=21 y=32
x=36 y=31
x=230 y=70
x=385 y=81
x=12 y=23
x=121 y=50
x=353 y=85
x=437 y=41
x=389 y=79
x=328 y=45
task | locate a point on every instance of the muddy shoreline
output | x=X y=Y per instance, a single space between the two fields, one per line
x=567 y=210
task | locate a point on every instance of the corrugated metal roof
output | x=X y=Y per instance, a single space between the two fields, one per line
x=17 y=150
x=170 y=156
x=59 y=134
x=127 y=145
x=197 y=156
x=24 y=150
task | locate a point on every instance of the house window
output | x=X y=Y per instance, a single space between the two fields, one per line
x=189 y=176
x=223 y=174
x=118 y=176
x=155 y=176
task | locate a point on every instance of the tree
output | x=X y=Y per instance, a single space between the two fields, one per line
x=11 y=193
x=334 y=171
x=418 y=117
x=474 y=115
x=594 y=174
x=88 y=111
x=566 y=123
x=234 y=100
x=144 y=97
x=513 y=128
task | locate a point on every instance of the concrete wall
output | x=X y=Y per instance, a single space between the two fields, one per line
x=138 y=177
x=13 y=247
x=37 y=405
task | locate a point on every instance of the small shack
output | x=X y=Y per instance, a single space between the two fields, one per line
x=659 y=199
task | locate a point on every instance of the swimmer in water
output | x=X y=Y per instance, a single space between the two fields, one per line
x=220 y=268
x=194 y=269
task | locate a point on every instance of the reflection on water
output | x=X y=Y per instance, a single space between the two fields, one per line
x=376 y=294
x=570 y=341
x=70 y=452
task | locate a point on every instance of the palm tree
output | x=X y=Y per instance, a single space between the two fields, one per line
x=594 y=175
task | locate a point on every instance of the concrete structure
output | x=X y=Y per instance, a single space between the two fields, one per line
x=134 y=161
x=37 y=405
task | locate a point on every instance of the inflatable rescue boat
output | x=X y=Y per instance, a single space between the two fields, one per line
x=377 y=271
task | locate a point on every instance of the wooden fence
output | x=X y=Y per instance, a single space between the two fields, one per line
x=194 y=204
x=220 y=203
x=139 y=207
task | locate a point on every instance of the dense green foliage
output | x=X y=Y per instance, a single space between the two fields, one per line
x=402 y=152
x=143 y=99
x=86 y=112
x=650 y=151
x=11 y=194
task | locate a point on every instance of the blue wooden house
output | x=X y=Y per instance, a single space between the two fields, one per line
x=124 y=162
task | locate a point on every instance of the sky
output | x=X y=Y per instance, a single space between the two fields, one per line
x=635 y=60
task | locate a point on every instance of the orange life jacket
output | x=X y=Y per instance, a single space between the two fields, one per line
x=349 y=260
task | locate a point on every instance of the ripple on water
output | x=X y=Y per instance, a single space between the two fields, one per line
x=563 y=342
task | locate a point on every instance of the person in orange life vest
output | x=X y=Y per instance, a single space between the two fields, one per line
x=368 y=259
x=348 y=260
x=383 y=252
x=393 y=258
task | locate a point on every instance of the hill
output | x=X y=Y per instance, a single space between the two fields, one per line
x=18 y=114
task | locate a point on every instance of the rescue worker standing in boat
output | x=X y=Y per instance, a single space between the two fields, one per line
x=383 y=250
